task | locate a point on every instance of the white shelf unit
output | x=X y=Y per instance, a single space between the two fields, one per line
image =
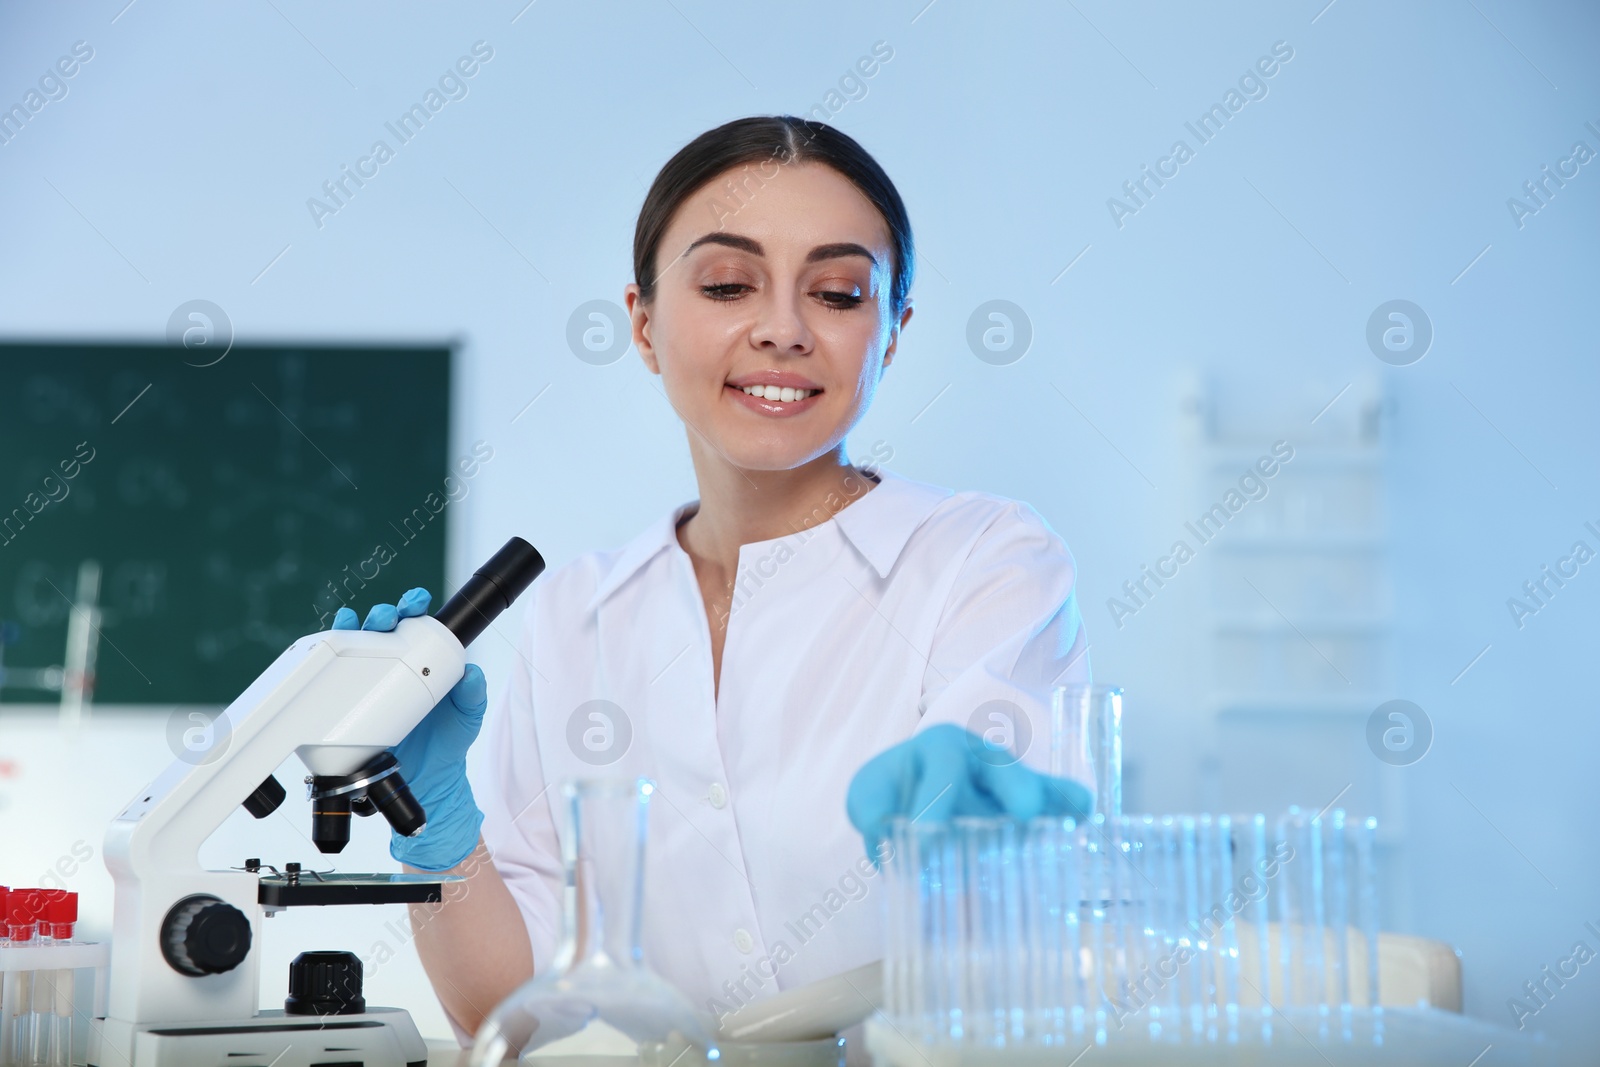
x=1297 y=621
x=1300 y=606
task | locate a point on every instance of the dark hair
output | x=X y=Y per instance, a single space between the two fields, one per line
x=781 y=139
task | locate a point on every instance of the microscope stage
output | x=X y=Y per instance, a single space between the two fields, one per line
x=308 y=889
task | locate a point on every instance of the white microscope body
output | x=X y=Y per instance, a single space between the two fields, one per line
x=185 y=965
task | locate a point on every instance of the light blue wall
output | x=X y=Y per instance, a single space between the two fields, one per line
x=1377 y=166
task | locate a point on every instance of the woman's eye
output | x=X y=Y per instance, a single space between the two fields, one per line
x=834 y=300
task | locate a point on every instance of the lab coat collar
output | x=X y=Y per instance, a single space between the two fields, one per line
x=878 y=526
x=880 y=523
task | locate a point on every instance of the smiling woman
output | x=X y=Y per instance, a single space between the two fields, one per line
x=785 y=728
x=772 y=332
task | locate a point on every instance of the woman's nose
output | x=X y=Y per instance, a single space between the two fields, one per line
x=781 y=326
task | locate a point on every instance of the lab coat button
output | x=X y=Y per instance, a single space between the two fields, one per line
x=743 y=941
x=718 y=796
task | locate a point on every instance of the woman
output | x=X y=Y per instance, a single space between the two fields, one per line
x=808 y=647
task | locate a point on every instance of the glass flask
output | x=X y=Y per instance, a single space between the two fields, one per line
x=598 y=972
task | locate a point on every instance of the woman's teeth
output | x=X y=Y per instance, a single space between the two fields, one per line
x=782 y=394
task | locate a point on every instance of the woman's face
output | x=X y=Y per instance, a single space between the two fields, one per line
x=783 y=293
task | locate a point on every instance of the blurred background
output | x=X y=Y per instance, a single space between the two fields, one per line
x=1373 y=262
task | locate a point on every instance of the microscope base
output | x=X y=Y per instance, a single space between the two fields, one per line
x=379 y=1037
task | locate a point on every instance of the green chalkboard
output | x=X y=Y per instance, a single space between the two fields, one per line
x=223 y=510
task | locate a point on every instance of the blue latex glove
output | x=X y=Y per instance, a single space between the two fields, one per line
x=944 y=772
x=433 y=756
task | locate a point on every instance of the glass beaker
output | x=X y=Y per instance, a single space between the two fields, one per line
x=1086 y=740
x=598 y=972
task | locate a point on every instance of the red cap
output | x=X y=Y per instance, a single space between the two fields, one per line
x=23 y=907
x=63 y=907
x=62 y=913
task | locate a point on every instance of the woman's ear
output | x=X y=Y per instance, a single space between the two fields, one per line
x=639 y=319
x=894 y=333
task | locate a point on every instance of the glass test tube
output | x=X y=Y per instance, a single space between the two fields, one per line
x=1086 y=740
x=1168 y=868
x=943 y=946
x=981 y=948
x=1288 y=907
x=1338 y=918
x=1113 y=867
x=1143 y=955
x=1044 y=998
x=1368 y=882
x=1260 y=909
x=42 y=1000
x=1316 y=990
x=1072 y=903
x=62 y=914
x=1207 y=933
x=1011 y=933
x=1093 y=927
x=5 y=1003
x=1070 y=891
x=1228 y=944
x=894 y=908
x=1153 y=844
x=18 y=992
x=1190 y=890
x=44 y=984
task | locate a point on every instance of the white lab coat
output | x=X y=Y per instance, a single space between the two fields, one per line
x=911 y=606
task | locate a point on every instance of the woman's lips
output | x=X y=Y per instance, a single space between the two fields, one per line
x=772 y=408
x=771 y=376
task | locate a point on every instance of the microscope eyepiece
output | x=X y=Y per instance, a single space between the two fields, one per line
x=491 y=589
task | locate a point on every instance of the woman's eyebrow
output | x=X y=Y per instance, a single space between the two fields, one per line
x=839 y=249
x=835 y=250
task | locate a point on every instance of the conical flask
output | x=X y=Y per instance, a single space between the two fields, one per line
x=599 y=970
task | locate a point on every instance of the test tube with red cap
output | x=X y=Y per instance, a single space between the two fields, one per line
x=5 y=1002
x=61 y=919
x=23 y=927
x=61 y=913
x=41 y=1020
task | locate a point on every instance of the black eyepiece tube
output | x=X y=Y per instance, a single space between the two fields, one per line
x=491 y=589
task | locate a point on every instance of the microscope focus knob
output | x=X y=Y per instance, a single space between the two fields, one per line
x=202 y=935
x=325 y=983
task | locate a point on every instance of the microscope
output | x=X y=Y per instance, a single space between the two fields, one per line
x=184 y=987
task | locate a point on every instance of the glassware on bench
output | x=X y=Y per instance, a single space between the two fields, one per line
x=1157 y=932
x=1086 y=741
x=599 y=972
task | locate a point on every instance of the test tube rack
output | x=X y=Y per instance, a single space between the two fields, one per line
x=1187 y=938
x=64 y=984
